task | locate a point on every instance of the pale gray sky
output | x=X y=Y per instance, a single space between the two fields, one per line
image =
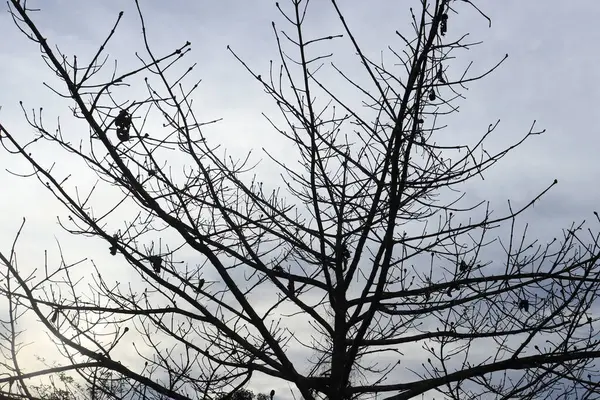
x=551 y=76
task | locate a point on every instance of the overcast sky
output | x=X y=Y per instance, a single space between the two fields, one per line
x=551 y=76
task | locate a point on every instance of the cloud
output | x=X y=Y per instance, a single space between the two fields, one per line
x=550 y=76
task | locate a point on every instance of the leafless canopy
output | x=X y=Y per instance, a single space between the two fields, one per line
x=330 y=275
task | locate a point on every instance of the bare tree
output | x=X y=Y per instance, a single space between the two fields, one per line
x=368 y=252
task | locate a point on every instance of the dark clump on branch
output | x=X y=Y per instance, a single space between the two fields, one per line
x=113 y=245
x=345 y=252
x=524 y=305
x=440 y=75
x=156 y=262
x=444 y=24
x=432 y=95
x=123 y=124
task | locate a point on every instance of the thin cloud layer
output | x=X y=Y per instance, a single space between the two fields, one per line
x=550 y=77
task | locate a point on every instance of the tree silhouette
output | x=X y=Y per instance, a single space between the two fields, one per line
x=243 y=394
x=363 y=251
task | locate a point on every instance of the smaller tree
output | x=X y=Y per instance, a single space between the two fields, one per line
x=245 y=394
x=242 y=394
x=61 y=387
x=64 y=387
